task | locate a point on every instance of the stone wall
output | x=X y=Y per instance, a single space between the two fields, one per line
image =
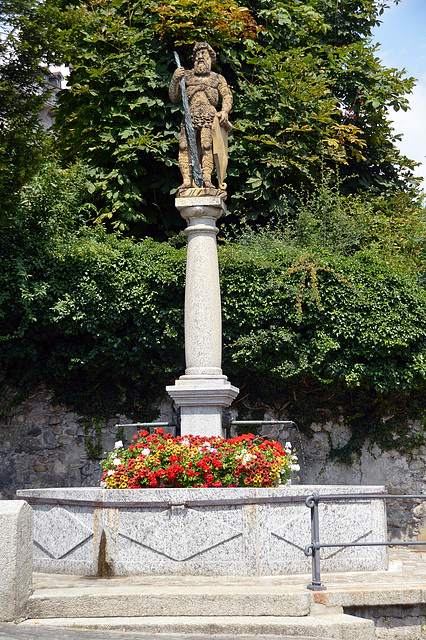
x=42 y=445
x=397 y=622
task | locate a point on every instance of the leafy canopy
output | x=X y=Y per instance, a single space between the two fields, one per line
x=27 y=44
x=308 y=89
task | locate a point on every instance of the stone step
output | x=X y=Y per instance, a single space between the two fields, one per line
x=183 y=600
x=336 y=626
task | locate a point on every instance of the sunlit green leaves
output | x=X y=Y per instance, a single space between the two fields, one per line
x=308 y=89
x=27 y=40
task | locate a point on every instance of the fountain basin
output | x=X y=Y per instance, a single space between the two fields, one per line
x=103 y=532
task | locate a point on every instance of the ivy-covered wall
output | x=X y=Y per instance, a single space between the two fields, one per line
x=310 y=335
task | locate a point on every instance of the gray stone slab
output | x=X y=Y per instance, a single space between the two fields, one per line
x=211 y=600
x=245 y=540
x=340 y=626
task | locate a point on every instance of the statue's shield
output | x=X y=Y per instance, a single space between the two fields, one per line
x=220 y=150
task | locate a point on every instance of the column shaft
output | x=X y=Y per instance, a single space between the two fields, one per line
x=203 y=391
x=203 y=318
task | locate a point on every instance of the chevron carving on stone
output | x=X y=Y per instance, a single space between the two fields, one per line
x=178 y=534
x=58 y=532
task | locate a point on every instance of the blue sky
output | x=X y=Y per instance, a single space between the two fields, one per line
x=402 y=38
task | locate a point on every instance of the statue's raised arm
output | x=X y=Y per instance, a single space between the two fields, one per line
x=204 y=90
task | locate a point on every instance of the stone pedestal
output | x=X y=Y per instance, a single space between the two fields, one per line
x=203 y=391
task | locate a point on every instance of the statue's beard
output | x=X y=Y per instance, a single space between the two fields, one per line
x=200 y=68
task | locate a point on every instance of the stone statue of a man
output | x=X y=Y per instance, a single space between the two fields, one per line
x=204 y=89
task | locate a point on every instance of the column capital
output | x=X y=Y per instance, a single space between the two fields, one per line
x=203 y=207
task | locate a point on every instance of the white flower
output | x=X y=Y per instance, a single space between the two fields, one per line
x=246 y=457
x=103 y=484
x=110 y=472
x=116 y=461
x=118 y=444
x=295 y=467
x=146 y=452
x=287 y=447
x=185 y=443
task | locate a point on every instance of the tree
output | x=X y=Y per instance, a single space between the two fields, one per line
x=27 y=36
x=309 y=90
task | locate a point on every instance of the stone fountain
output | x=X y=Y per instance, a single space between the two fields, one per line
x=213 y=531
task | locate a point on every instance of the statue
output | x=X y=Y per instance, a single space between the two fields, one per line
x=203 y=141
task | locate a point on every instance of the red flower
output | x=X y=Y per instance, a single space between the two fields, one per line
x=212 y=468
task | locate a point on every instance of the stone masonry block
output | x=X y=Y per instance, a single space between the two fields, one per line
x=16 y=558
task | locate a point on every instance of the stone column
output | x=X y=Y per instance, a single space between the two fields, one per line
x=203 y=391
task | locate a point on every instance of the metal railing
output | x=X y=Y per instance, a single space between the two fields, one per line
x=316 y=545
x=160 y=504
x=175 y=424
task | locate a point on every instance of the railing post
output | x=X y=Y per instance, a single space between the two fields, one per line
x=314 y=548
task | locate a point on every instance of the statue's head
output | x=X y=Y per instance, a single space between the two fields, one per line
x=203 y=58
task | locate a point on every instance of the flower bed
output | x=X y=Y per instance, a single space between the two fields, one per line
x=161 y=460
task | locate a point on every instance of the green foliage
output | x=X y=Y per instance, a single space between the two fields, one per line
x=217 y=22
x=325 y=219
x=100 y=318
x=396 y=228
x=56 y=200
x=346 y=318
x=92 y=429
x=308 y=90
x=316 y=322
x=27 y=36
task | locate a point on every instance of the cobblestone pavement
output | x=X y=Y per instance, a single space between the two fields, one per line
x=13 y=632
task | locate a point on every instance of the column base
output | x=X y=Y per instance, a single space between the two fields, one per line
x=201 y=400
